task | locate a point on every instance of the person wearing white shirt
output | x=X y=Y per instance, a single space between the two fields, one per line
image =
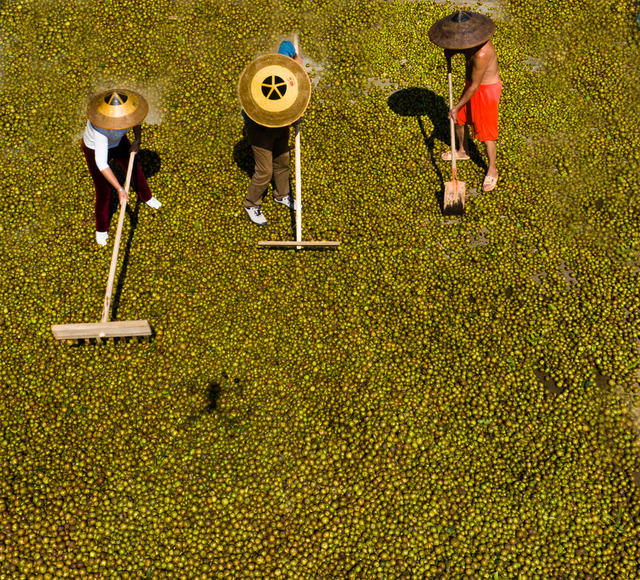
x=100 y=145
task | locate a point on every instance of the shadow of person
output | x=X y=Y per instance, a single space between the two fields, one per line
x=419 y=102
x=213 y=396
x=133 y=219
x=150 y=162
x=243 y=156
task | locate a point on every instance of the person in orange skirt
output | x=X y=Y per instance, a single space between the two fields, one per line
x=478 y=105
x=111 y=115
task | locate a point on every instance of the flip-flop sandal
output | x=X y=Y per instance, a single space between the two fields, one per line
x=446 y=156
x=489 y=183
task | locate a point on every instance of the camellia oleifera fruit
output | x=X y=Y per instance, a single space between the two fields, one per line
x=437 y=398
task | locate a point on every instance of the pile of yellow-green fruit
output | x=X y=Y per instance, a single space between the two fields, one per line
x=440 y=397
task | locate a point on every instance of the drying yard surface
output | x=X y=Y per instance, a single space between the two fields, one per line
x=436 y=398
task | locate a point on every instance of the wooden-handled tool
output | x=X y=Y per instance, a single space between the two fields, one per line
x=104 y=328
x=298 y=244
x=454 y=190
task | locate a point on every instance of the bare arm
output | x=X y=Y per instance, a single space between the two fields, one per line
x=101 y=156
x=109 y=175
x=111 y=178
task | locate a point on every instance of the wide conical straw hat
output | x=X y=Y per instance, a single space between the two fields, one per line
x=117 y=109
x=462 y=30
x=274 y=90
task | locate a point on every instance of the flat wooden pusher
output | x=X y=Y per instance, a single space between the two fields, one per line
x=281 y=110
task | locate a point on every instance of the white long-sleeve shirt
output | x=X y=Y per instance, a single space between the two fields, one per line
x=101 y=140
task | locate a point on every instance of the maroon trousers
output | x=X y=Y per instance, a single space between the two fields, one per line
x=103 y=187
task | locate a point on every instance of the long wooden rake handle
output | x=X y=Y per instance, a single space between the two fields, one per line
x=116 y=245
x=298 y=201
x=452 y=125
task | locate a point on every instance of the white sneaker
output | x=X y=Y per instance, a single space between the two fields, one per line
x=287 y=201
x=101 y=238
x=255 y=215
x=154 y=203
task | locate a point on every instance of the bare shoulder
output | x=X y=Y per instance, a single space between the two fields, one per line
x=486 y=51
x=484 y=64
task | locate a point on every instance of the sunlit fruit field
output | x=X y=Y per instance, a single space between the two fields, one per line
x=440 y=397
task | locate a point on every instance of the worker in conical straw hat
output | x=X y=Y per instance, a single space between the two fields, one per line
x=469 y=34
x=274 y=90
x=111 y=114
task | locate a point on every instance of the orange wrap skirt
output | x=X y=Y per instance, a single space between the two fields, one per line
x=481 y=112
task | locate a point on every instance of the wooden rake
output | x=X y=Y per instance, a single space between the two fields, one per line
x=106 y=328
x=299 y=243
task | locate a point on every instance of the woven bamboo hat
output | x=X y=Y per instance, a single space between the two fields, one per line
x=117 y=109
x=274 y=90
x=462 y=30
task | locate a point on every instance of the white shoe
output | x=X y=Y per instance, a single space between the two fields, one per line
x=287 y=201
x=154 y=203
x=255 y=215
x=101 y=238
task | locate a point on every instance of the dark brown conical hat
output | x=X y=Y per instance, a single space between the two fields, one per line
x=274 y=90
x=117 y=109
x=461 y=30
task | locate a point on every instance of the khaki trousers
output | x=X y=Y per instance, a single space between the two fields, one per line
x=271 y=153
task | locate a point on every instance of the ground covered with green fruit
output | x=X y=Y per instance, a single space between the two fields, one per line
x=440 y=397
